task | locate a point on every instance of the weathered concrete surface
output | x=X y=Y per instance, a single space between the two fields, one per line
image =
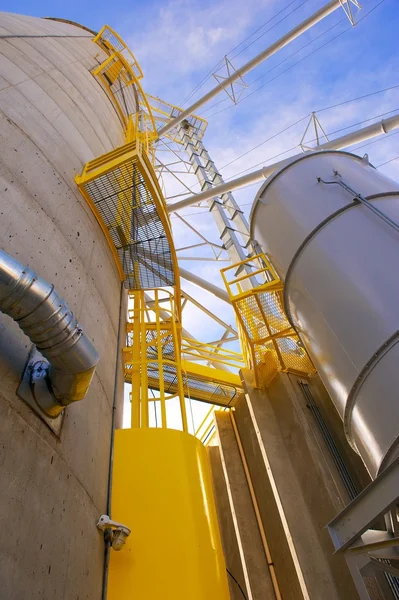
x=284 y=453
x=54 y=117
x=253 y=559
x=226 y=524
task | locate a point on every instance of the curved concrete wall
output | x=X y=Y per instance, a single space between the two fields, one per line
x=54 y=117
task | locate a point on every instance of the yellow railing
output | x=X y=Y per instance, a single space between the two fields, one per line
x=269 y=343
x=122 y=190
x=213 y=353
x=153 y=356
x=119 y=75
x=163 y=111
x=206 y=429
x=111 y=42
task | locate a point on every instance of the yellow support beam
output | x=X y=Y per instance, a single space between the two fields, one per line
x=211 y=374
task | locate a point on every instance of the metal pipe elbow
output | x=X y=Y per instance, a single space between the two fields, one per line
x=45 y=318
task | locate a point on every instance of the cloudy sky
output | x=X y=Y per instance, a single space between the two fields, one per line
x=179 y=43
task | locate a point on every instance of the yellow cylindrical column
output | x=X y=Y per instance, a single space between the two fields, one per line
x=162 y=490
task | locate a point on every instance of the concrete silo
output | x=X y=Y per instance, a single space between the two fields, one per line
x=55 y=117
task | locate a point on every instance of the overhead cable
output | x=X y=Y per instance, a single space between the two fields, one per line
x=316 y=112
x=296 y=63
x=221 y=61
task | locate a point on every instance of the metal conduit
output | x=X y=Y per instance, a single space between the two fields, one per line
x=45 y=318
x=329 y=440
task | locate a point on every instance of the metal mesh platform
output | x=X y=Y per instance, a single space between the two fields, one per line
x=195 y=387
x=122 y=190
x=212 y=388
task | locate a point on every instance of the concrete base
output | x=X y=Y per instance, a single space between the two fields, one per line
x=297 y=490
x=257 y=582
x=297 y=487
x=226 y=524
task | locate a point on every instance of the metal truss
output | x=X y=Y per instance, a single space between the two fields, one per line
x=233 y=94
x=319 y=133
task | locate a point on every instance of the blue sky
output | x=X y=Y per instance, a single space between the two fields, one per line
x=178 y=42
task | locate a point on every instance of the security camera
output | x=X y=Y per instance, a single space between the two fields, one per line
x=119 y=533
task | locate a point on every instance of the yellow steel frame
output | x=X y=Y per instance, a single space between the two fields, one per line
x=268 y=341
x=139 y=120
x=116 y=67
x=111 y=42
x=122 y=66
x=206 y=428
x=168 y=492
x=155 y=349
x=212 y=374
x=164 y=111
x=212 y=353
x=126 y=157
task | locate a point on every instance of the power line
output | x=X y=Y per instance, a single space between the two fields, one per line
x=268 y=30
x=257 y=182
x=310 y=141
x=314 y=140
x=387 y=161
x=203 y=81
x=295 y=147
x=299 y=61
x=303 y=118
x=264 y=25
x=218 y=64
x=320 y=110
x=275 y=67
x=393 y=87
x=265 y=141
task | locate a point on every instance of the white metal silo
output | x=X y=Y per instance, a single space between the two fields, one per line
x=329 y=223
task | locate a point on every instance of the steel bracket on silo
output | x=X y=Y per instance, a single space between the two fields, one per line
x=30 y=390
x=368 y=550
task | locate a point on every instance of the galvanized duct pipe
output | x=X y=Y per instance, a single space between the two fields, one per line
x=46 y=319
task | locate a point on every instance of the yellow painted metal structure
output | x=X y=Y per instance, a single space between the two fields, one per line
x=213 y=353
x=206 y=429
x=112 y=42
x=162 y=490
x=269 y=342
x=122 y=190
x=119 y=75
x=200 y=382
x=162 y=485
x=163 y=111
x=153 y=355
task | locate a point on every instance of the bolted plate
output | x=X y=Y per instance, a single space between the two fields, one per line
x=28 y=390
